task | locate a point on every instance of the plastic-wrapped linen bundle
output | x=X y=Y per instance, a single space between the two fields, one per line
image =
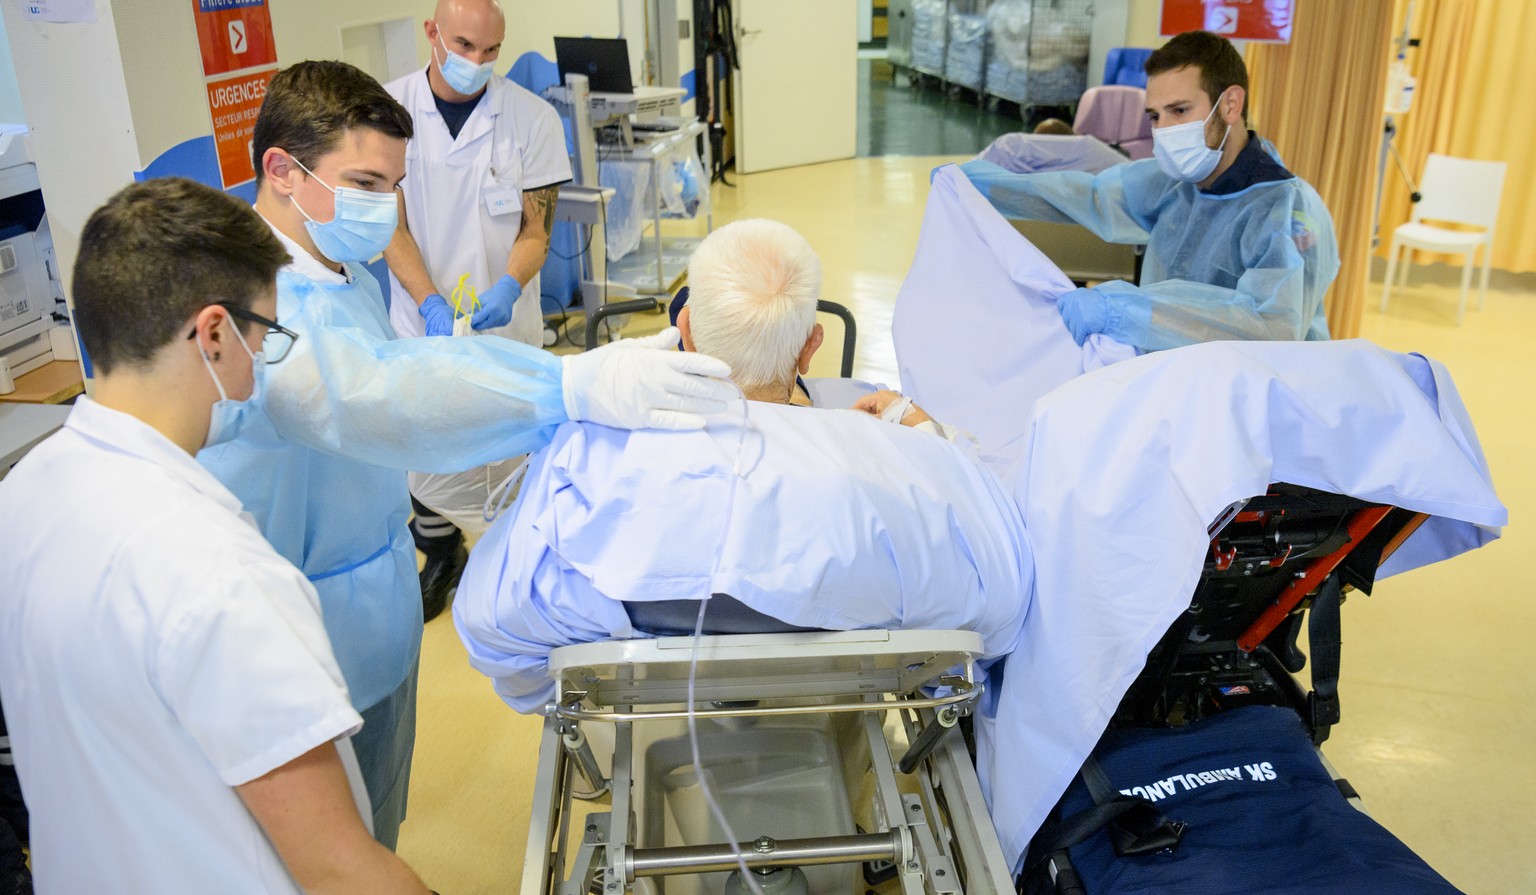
x=1008 y=63
x=681 y=185
x=967 y=47
x=629 y=208
x=1058 y=64
x=928 y=35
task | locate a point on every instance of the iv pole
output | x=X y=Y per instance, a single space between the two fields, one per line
x=1403 y=42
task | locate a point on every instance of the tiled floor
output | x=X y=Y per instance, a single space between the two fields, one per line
x=1437 y=680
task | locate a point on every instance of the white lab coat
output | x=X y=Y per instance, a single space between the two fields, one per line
x=463 y=197
x=155 y=652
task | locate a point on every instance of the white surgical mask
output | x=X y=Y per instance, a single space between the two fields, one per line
x=461 y=74
x=1181 y=151
x=224 y=424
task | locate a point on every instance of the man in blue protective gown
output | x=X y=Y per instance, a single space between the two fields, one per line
x=1238 y=247
x=321 y=461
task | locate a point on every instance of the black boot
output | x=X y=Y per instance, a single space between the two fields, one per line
x=443 y=546
x=15 y=879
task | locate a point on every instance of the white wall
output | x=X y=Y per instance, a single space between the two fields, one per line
x=534 y=25
x=1110 y=18
x=84 y=135
x=11 y=111
x=1143 y=21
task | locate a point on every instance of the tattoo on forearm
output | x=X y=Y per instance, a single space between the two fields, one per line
x=541 y=207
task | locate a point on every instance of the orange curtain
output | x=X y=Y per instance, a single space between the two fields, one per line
x=1319 y=99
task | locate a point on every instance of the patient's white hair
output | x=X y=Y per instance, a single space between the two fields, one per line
x=752 y=290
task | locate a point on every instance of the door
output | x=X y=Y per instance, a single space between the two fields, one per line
x=797 y=91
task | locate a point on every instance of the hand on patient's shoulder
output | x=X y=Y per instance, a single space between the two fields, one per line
x=893 y=407
x=645 y=384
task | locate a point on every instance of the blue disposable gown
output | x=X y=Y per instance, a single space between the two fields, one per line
x=320 y=460
x=1253 y=263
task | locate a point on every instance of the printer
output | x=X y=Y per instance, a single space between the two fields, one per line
x=28 y=282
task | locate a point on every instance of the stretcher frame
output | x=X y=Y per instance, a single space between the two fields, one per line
x=939 y=840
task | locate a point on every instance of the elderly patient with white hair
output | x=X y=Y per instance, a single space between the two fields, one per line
x=751 y=302
x=814 y=518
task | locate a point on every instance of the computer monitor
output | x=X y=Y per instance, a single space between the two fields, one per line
x=604 y=60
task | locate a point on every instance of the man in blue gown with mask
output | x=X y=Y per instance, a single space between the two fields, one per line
x=1238 y=247
x=320 y=459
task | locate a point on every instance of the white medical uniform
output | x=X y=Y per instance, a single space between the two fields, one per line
x=154 y=653
x=463 y=197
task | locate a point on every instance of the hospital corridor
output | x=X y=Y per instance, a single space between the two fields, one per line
x=766 y=447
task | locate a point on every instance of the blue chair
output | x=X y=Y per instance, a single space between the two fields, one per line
x=1126 y=65
x=560 y=277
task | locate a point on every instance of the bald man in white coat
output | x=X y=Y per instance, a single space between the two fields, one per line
x=477 y=203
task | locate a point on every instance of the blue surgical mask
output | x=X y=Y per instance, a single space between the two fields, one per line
x=461 y=74
x=1181 y=151
x=362 y=226
x=224 y=423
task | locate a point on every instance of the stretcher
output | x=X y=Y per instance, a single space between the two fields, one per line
x=1277 y=562
x=834 y=757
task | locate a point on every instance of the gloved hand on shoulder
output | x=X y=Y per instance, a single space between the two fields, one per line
x=644 y=384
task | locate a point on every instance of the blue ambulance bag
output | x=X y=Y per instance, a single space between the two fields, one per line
x=1237 y=802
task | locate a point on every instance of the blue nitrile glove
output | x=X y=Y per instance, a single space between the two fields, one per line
x=496 y=304
x=1085 y=312
x=438 y=315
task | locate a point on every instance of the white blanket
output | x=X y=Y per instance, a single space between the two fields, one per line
x=1120 y=470
x=836 y=521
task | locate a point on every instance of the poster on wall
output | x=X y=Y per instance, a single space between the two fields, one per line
x=234 y=103
x=1266 y=21
x=239 y=58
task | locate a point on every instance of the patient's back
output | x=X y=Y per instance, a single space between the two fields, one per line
x=836 y=521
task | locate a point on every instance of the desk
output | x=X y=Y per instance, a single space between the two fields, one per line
x=22 y=426
x=53 y=383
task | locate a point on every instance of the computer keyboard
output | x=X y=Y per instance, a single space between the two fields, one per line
x=661 y=123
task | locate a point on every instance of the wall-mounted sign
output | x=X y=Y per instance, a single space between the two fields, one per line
x=234 y=35
x=1268 y=21
x=234 y=104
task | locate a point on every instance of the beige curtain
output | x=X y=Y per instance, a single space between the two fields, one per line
x=1476 y=59
x=1320 y=99
x=1445 y=30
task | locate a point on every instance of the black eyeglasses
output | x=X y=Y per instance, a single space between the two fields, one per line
x=279 y=340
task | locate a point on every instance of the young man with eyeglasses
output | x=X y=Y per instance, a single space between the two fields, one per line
x=178 y=718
